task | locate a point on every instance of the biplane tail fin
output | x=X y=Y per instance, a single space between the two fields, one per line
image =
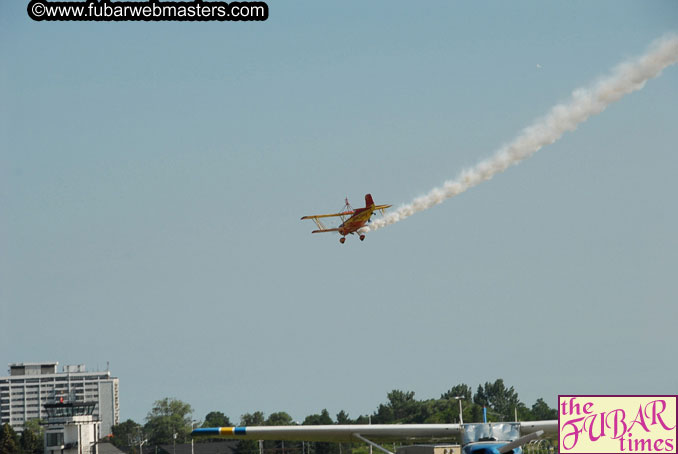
x=368 y=200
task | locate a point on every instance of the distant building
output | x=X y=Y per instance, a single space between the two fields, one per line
x=30 y=386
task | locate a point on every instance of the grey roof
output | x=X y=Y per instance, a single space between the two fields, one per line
x=109 y=448
x=215 y=447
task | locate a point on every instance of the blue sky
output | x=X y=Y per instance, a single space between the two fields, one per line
x=152 y=177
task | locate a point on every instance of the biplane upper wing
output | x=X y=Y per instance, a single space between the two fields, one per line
x=357 y=432
x=316 y=216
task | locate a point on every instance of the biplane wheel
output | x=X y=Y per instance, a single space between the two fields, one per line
x=362 y=237
x=342 y=240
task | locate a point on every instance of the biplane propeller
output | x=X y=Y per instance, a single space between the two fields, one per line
x=352 y=220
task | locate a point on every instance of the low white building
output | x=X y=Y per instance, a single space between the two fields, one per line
x=70 y=428
x=29 y=386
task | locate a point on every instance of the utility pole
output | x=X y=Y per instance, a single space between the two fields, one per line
x=193 y=421
x=139 y=439
x=461 y=417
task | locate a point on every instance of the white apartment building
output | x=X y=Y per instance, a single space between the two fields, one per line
x=31 y=385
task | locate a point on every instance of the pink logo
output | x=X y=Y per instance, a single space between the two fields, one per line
x=617 y=424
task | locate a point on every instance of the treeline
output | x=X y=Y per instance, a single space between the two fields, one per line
x=31 y=440
x=170 y=418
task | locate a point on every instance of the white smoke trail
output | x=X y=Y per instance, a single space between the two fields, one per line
x=626 y=78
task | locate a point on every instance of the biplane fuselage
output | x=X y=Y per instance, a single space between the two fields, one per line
x=352 y=219
x=358 y=220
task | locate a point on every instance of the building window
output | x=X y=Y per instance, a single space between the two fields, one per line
x=55 y=439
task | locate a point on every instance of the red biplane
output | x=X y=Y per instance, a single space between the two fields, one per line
x=351 y=219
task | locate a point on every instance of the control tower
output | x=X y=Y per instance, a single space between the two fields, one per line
x=70 y=427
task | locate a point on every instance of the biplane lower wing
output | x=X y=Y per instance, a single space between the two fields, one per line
x=325 y=230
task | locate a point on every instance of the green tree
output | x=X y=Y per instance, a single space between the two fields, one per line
x=126 y=434
x=9 y=442
x=31 y=441
x=502 y=405
x=252 y=419
x=402 y=407
x=169 y=416
x=323 y=418
x=500 y=400
x=279 y=418
x=383 y=415
x=35 y=439
x=440 y=411
x=476 y=411
x=216 y=419
x=541 y=411
x=462 y=390
x=343 y=418
x=362 y=419
x=480 y=398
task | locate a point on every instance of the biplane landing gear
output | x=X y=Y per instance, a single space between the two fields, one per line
x=362 y=237
x=342 y=240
